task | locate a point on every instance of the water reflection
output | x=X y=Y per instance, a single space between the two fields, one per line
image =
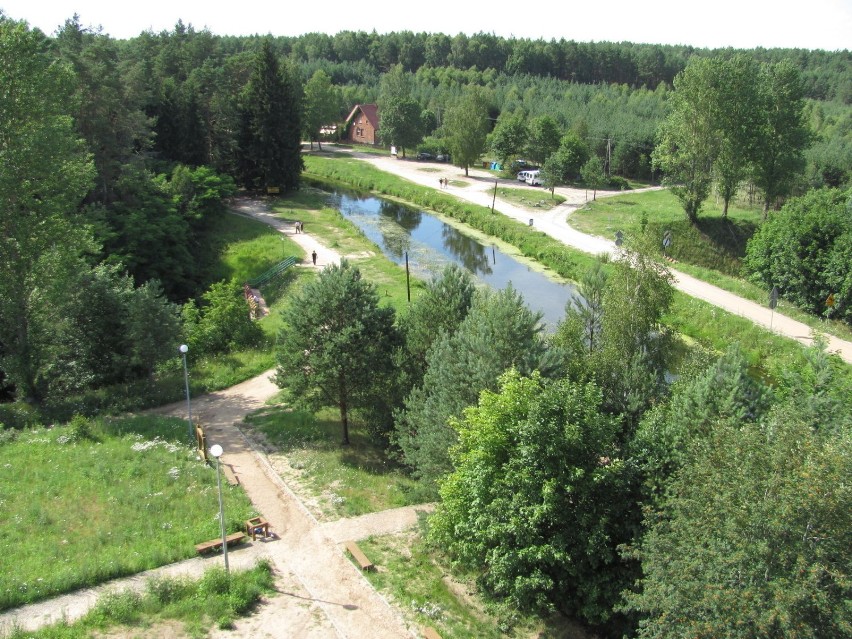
x=431 y=244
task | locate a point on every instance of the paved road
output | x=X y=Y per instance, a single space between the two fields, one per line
x=479 y=189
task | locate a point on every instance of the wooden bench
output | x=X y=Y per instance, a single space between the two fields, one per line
x=216 y=544
x=430 y=633
x=359 y=556
x=229 y=474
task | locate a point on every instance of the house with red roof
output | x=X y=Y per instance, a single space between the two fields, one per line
x=363 y=124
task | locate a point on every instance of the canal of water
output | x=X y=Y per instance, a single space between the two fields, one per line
x=430 y=244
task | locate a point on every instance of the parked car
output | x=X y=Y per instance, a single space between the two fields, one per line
x=443 y=158
x=533 y=178
x=424 y=156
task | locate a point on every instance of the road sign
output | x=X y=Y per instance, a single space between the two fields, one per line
x=667 y=239
x=773 y=298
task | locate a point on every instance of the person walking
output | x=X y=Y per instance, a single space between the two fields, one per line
x=314 y=257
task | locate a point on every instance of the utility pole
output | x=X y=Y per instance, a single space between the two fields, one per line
x=608 y=156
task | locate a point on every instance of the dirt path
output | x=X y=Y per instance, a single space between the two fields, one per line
x=479 y=189
x=321 y=593
x=257 y=208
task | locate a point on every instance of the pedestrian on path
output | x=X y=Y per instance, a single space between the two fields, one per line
x=314 y=257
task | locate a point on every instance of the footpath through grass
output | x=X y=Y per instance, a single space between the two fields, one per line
x=196 y=605
x=711 y=251
x=92 y=501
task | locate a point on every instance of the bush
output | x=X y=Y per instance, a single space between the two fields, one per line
x=805 y=250
x=222 y=323
x=618 y=182
x=19 y=415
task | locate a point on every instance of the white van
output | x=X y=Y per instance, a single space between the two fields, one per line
x=533 y=178
x=523 y=175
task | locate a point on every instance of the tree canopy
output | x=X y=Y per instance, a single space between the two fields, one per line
x=337 y=343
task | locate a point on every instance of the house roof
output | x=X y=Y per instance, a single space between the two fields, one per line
x=370 y=111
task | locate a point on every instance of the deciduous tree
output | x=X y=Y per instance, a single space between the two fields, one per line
x=539 y=498
x=783 y=134
x=44 y=175
x=466 y=127
x=803 y=250
x=688 y=140
x=592 y=173
x=508 y=139
x=401 y=115
x=322 y=105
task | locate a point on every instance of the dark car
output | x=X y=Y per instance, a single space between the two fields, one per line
x=443 y=158
x=424 y=156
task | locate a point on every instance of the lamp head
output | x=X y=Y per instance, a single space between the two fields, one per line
x=183 y=348
x=216 y=450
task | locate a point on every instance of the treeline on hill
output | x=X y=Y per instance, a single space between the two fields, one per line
x=613 y=95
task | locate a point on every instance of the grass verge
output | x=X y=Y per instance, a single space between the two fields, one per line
x=711 y=251
x=196 y=605
x=430 y=595
x=335 y=481
x=101 y=499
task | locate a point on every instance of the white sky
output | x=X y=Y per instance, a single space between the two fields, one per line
x=743 y=24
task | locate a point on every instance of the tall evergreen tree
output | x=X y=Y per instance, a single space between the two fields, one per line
x=499 y=333
x=271 y=125
x=106 y=115
x=440 y=309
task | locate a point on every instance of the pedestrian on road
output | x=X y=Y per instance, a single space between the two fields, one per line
x=314 y=257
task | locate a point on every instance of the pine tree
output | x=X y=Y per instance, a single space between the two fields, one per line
x=271 y=124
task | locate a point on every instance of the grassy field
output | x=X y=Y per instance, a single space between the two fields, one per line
x=96 y=500
x=343 y=481
x=530 y=199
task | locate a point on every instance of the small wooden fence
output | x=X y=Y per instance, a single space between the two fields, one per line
x=272 y=273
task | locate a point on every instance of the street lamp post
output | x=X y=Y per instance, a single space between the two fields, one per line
x=183 y=349
x=216 y=451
